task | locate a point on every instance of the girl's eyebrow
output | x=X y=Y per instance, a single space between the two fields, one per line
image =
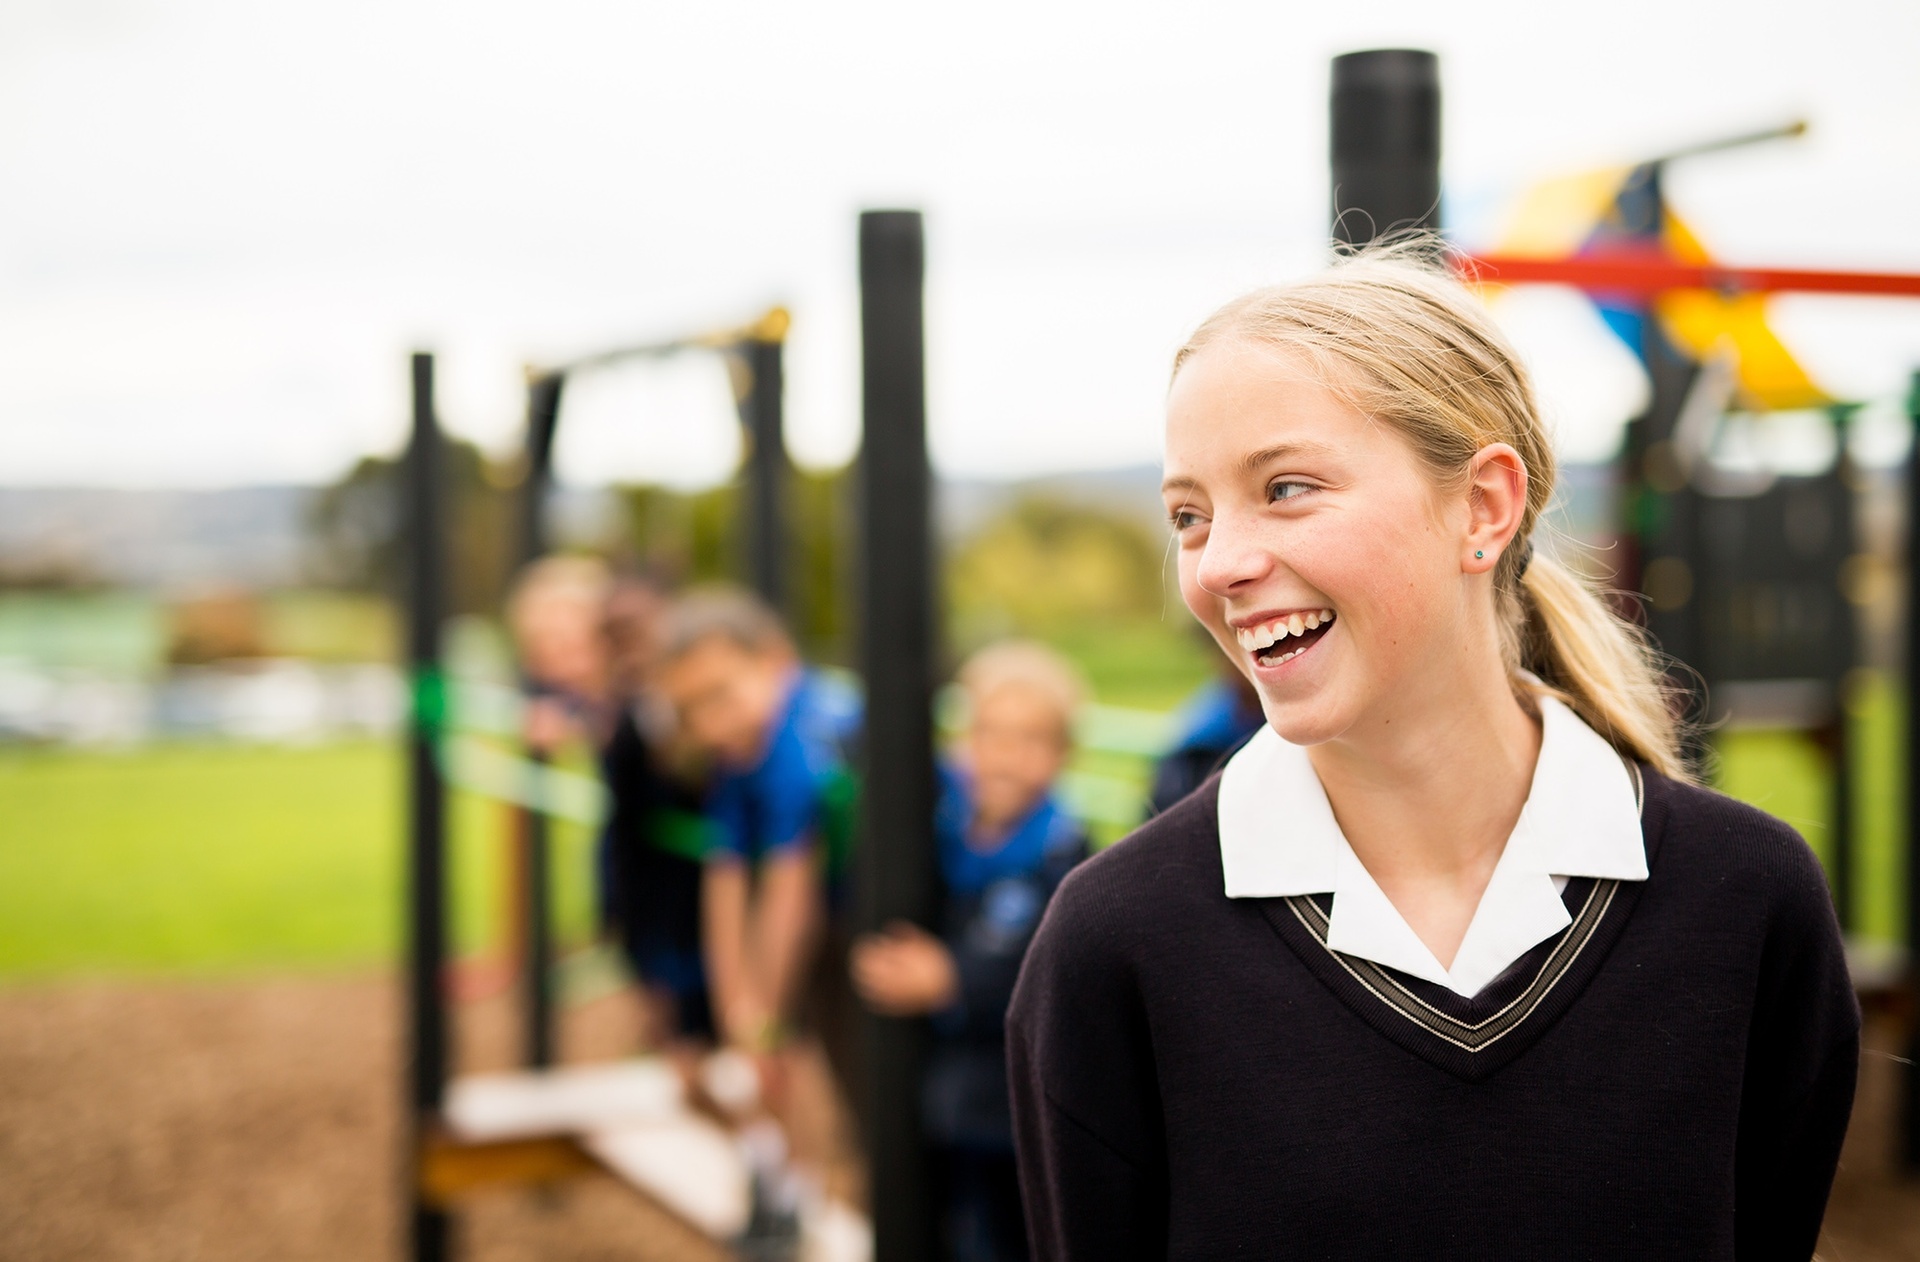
x=1254 y=461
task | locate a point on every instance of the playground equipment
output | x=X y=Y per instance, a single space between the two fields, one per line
x=1743 y=578
x=755 y=358
x=447 y=1154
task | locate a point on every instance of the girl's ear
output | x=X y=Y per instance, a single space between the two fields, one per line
x=1497 y=504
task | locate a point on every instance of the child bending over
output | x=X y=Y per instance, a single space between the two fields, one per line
x=777 y=737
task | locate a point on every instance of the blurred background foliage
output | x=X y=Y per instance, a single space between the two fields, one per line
x=355 y=521
x=1045 y=566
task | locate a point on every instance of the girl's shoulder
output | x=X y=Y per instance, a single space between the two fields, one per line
x=1700 y=836
x=1154 y=879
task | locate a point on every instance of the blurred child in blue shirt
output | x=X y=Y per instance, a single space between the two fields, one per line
x=1214 y=723
x=777 y=736
x=1004 y=843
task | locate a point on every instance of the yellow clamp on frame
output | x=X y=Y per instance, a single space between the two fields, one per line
x=770 y=329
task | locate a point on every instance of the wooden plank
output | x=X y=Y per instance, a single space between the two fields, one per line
x=449 y=1169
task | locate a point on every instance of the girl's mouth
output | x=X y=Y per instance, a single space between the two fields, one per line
x=1284 y=638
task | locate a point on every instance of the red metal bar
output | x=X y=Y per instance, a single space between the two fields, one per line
x=1642 y=274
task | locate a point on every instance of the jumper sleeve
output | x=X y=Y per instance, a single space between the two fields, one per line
x=1086 y=1101
x=1803 y=1053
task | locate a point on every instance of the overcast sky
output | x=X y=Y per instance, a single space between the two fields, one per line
x=223 y=225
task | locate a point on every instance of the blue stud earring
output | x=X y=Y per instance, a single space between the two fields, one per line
x=1478 y=555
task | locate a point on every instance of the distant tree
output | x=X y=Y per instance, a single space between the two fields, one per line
x=355 y=526
x=695 y=537
x=1046 y=566
x=215 y=627
x=49 y=573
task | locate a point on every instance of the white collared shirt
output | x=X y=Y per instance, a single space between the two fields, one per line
x=1278 y=838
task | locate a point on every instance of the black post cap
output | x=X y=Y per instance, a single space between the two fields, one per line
x=892 y=242
x=1385 y=142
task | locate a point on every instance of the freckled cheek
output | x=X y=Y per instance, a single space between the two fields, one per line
x=1370 y=575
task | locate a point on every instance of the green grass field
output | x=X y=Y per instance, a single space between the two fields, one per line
x=220 y=858
x=215 y=858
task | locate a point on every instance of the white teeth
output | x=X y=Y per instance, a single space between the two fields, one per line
x=1257 y=639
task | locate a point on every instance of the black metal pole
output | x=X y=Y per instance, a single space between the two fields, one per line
x=1910 y=1070
x=537 y=963
x=426 y=851
x=1386 y=143
x=896 y=864
x=762 y=413
x=543 y=422
x=536 y=907
x=1845 y=874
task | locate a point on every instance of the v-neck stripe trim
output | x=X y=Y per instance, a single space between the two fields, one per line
x=1409 y=1005
x=1530 y=998
x=1475 y=1037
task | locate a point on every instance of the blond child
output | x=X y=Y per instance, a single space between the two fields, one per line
x=1005 y=842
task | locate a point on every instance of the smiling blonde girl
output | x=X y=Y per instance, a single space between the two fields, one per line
x=1452 y=960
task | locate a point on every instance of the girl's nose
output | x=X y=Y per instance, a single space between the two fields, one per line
x=1231 y=559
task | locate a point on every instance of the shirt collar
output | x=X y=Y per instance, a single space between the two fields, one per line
x=1279 y=838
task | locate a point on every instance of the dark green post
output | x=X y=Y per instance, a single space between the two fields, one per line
x=536 y=903
x=896 y=856
x=1910 y=1070
x=765 y=519
x=426 y=850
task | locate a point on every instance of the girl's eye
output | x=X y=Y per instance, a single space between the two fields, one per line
x=1182 y=518
x=1279 y=491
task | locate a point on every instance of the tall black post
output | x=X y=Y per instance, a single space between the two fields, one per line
x=1910 y=1071
x=536 y=901
x=1386 y=143
x=426 y=850
x=896 y=863
x=543 y=421
x=762 y=413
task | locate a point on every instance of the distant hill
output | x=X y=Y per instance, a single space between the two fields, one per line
x=252 y=536
x=965 y=504
x=256 y=536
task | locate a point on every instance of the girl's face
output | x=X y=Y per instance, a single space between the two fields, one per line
x=1314 y=545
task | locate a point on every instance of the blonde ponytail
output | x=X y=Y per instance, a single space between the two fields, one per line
x=1412 y=348
x=1601 y=666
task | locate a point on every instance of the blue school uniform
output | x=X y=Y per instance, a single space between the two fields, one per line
x=994 y=901
x=1214 y=723
x=800 y=792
